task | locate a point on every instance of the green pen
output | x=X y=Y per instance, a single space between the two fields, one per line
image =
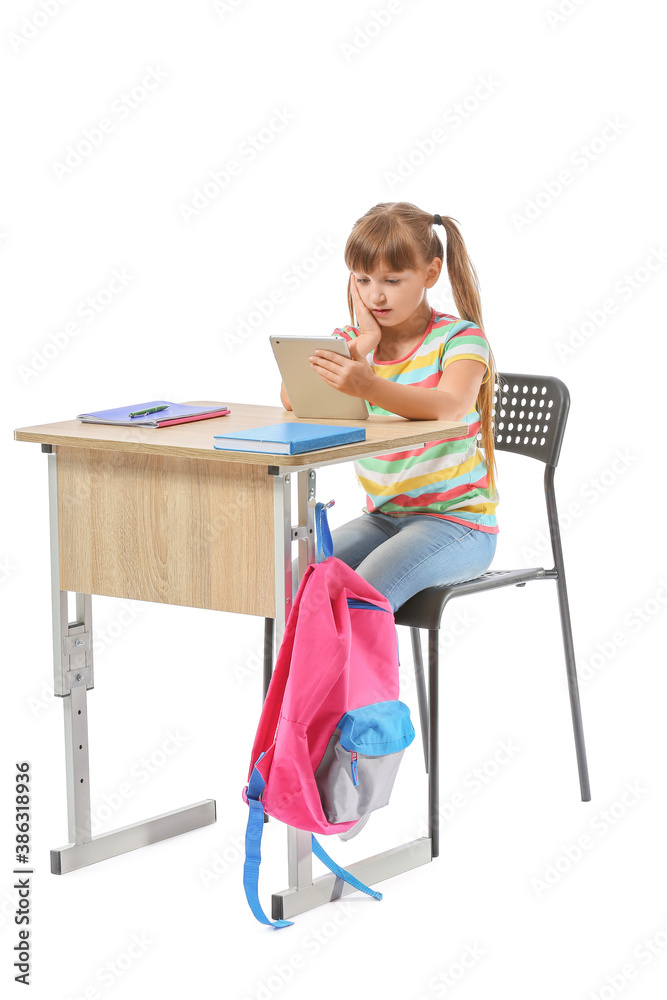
x=153 y=409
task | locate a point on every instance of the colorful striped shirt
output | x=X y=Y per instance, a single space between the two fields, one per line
x=447 y=479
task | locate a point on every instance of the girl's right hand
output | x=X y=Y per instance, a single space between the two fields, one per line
x=368 y=325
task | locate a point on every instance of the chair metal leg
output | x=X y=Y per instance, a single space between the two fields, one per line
x=566 y=627
x=573 y=688
x=421 y=689
x=433 y=753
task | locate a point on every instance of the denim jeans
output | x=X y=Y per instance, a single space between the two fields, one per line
x=400 y=556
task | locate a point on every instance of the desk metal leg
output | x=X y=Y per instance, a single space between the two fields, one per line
x=269 y=627
x=299 y=855
x=73 y=677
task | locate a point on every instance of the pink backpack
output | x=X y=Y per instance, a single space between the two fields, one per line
x=332 y=732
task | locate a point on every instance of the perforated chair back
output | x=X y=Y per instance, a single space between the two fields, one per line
x=529 y=415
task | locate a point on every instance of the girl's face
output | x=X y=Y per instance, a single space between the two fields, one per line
x=394 y=296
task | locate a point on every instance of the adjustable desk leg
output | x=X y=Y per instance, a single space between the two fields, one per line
x=73 y=677
x=77 y=643
x=299 y=854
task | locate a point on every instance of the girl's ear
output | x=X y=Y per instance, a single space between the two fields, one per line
x=433 y=273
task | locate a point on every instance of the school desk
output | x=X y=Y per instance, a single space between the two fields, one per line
x=157 y=514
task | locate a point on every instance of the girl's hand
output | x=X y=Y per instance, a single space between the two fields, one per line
x=368 y=325
x=352 y=375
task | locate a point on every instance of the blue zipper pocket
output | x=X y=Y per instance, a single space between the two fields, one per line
x=353 y=602
x=355 y=771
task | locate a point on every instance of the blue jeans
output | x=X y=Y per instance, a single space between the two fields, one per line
x=400 y=556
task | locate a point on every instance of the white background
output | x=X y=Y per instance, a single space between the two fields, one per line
x=520 y=94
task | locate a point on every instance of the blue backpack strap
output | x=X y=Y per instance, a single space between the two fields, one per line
x=324 y=540
x=253 y=852
x=253 y=855
x=341 y=873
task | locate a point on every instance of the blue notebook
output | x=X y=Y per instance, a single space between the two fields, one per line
x=289 y=438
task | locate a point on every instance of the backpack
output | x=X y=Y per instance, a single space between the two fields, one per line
x=332 y=732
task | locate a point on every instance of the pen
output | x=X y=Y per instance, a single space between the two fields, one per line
x=153 y=409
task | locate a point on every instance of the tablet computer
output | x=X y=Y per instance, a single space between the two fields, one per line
x=308 y=393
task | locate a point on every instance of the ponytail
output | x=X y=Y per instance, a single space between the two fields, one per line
x=465 y=291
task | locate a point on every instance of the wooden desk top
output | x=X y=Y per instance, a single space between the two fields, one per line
x=195 y=440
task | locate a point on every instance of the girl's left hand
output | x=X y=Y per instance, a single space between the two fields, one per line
x=352 y=375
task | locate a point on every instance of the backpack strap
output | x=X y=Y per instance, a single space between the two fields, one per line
x=324 y=540
x=253 y=849
x=253 y=854
x=339 y=872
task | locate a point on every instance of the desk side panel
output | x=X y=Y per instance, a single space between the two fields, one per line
x=167 y=529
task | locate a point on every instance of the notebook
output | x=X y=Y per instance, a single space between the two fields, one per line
x=289 y=438
x=175 y=413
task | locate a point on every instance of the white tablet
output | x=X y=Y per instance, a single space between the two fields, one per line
x=308 y=393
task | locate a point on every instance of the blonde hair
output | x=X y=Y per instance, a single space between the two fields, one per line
x=401 y=237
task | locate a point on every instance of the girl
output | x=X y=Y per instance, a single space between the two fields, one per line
x=430 y=515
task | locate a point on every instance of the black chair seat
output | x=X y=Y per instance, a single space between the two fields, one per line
x=424 y=610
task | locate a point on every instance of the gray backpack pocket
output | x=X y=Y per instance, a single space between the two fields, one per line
x=357 y=772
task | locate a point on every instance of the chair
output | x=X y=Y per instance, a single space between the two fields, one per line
x=530 y=413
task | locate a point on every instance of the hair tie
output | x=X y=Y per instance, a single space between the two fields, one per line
x=437 y=221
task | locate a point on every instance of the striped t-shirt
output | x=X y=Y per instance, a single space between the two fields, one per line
x=447 y=479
